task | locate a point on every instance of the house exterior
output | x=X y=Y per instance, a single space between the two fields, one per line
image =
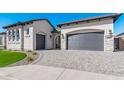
x=95 y=33
x=3 y=40
x=30 y=35
x=89 y=34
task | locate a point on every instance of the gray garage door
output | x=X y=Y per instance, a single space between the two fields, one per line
x=40 y=41
x=86 y=41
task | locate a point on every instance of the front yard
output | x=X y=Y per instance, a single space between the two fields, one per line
x=10 y=57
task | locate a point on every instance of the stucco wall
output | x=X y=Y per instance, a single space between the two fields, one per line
x=54 y=36
x=100 y=25
x=43 y=27
x=3 y=41
x=28 y=38
x=28 y=41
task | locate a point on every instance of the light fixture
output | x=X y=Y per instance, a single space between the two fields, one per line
x=50 y=36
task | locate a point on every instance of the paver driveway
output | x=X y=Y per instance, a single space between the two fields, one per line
x=92 y=61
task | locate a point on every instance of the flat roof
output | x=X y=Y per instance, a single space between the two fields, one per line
x=115 y=16
x=26 y=22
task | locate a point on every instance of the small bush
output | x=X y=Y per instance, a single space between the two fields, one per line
x=30 y=59
x=29 y=51
x=34 y=53
x=15 y=50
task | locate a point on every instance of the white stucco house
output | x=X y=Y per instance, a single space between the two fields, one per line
x=2 y=40
x=95 y=33
x=30 y=35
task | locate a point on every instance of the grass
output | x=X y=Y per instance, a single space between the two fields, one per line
x=10 y=57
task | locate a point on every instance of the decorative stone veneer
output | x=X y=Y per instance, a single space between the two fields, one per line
x=108 y=41
x=109 y=44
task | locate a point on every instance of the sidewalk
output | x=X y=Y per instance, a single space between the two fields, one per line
x=38 y=72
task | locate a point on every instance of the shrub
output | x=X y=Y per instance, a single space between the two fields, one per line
x=29 y=51
x=34 y=53
x=15 y=50
x=30 y=59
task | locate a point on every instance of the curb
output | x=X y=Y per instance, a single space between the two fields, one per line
x=38 y=59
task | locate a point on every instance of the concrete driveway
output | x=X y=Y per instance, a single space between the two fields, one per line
x=37 y=72
x=111 y=63
x=69 y=65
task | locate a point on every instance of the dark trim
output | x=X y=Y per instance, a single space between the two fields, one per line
x=102 y=32
x=117 y=43
x=114 y=16
x=67 y=41
x=2 y=33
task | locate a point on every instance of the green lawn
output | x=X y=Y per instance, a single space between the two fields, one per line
x=9 y=57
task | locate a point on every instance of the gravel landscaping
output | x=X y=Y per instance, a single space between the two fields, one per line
x=92 y=61
x=31 y=57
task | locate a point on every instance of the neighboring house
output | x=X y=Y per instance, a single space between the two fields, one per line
x=30 y=35
x=3 y=40
x=89 y=34
x=119 y=42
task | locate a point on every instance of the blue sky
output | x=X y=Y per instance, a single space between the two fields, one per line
x=54 y=18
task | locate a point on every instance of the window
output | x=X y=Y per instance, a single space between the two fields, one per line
x=13 y=32
x=17 y=35
x=1 y=41
x=27 y=31
x=13 y=38
x=9 y=35
x=9 y=32
x=13 y=35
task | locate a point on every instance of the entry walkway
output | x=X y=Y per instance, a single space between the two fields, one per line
x=37 y=72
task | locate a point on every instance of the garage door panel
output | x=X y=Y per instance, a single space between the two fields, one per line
x=87 y=41
x=40 y=41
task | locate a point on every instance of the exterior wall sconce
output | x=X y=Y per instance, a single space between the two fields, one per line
x=50 y=36
x=110 y=34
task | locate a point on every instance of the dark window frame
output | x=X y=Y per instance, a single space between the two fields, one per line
x=9 y=35
x=27 y=31
x=17 y=35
